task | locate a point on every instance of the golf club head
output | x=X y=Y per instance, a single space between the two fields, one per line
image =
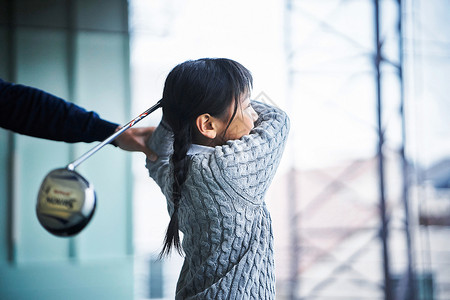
x=66 y=202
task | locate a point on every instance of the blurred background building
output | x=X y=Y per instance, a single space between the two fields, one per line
x=78 y=50
x=361 y=202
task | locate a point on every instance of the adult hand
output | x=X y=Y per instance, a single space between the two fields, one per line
x=134 y=139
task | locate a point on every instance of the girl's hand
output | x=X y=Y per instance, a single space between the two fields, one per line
x=134 y=139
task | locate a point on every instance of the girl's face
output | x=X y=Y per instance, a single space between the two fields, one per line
x=243 y=121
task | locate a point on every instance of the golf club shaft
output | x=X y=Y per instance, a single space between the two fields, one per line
x=111 y=138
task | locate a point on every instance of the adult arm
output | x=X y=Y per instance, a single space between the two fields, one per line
x=30 y=111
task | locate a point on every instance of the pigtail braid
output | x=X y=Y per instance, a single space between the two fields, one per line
x=182 y=142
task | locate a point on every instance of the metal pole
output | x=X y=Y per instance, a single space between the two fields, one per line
x=294 y=249
x=409 y=290
x=384 y=221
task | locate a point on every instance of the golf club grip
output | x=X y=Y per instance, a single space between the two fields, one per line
x=112 y=137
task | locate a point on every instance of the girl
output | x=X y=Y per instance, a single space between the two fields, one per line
x=216 y=154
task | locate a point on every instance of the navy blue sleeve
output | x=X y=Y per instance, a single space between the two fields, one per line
x=33 y=112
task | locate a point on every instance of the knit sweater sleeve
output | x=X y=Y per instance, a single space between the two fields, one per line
x=244 y=167
x=33 y=112
x=247 y=166
x=161 y=142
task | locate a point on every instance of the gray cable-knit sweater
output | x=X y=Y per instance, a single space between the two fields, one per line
x=227 y=231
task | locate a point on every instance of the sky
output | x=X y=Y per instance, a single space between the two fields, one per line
x=332 y=99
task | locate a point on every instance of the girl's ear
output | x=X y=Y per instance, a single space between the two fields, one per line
x=206 y=126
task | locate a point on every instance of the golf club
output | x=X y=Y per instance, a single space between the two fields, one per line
x=66 y=200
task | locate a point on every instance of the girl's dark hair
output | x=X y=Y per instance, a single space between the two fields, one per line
x=193 y=88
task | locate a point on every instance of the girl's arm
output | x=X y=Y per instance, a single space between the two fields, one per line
x=161 y=143
x=248 y=165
